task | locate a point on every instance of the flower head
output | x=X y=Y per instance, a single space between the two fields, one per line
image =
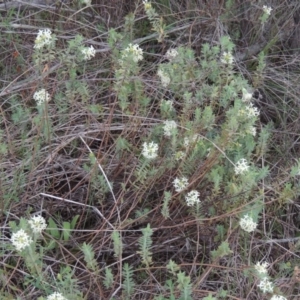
x=227 y=58
x=179 y=155
x=266 y=286
x=88 y=52
x=169 y=127
x=86 y=2
x=267 y=9
x=41 y=96
x=246 y=95
x=241 y=166
x=278 y=297
x=56 y=296
x=261 y=268
x=150 y=150
x=252 y=130
x=20 y=239
x=43 y=38
x=164 y=78
x=133 y=51
x=180 y=184
x=190 y=140
x=192 y=197
x=147 y=5
x=248 y=224
x=171 y=54
x=37 y=224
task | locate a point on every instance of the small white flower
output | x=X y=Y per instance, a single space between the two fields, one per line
x=169 y=127
x=277 y=297
x=180 y=184
x=37 y=224
x=88 y=52
x=150 y=150
x=20 y=239
x=165 y=79
x=267 y=9
x=247 y=224
x=56 y=296
x=252 y=130
x=179 y=155
x=133 y=51
x=171 y=54
x=43 y=38
x=227 y=58
x=147 y=5
x=266 y=286
x=86 y=2
x=249 y=111
x=190 y=140
x=41 y=96
x=252 y=111
x=192 y=197
x=241 y=166
x=246 y=95
x=167 y=104
x=261 y=268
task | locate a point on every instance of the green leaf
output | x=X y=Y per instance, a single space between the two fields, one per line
x=66 y=231
x=74 y=221
x=52 y=229
x=222 y=251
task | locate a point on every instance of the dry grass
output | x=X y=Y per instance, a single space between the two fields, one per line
x=41 y=176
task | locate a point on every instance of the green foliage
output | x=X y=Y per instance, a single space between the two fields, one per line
x=165 y=207
x=218 y=93
x=184 y=286
x=89 y=257
x=222 y=251
x=145 y=243
x=128 y=282
x=117 y=242
x=109 y=278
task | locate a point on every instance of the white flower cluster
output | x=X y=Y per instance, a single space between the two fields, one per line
x=266 y=285
x=248 y=224
x=150 y=150
x=267 y=9
x=147 y=5
x=179 y=155
x=169 y=127
x=277 y=297
x=171 y=54
x=133 y=51
x=191 y=140
x=261 y=268
x=88 y=52
x=241 y=166
x=246 y=95
x=20 y=240
x=192 y=198
x=43 y=38
x=164 y=78
x=180 y=184
x=37 y=224
x=41 y=96
x=56 y=296
x=252 y=111
x=252 y=130
x=227 y=58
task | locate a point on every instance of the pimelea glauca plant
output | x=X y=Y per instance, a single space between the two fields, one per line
x=143 y=172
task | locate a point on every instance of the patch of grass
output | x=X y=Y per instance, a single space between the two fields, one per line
x=158 y=141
